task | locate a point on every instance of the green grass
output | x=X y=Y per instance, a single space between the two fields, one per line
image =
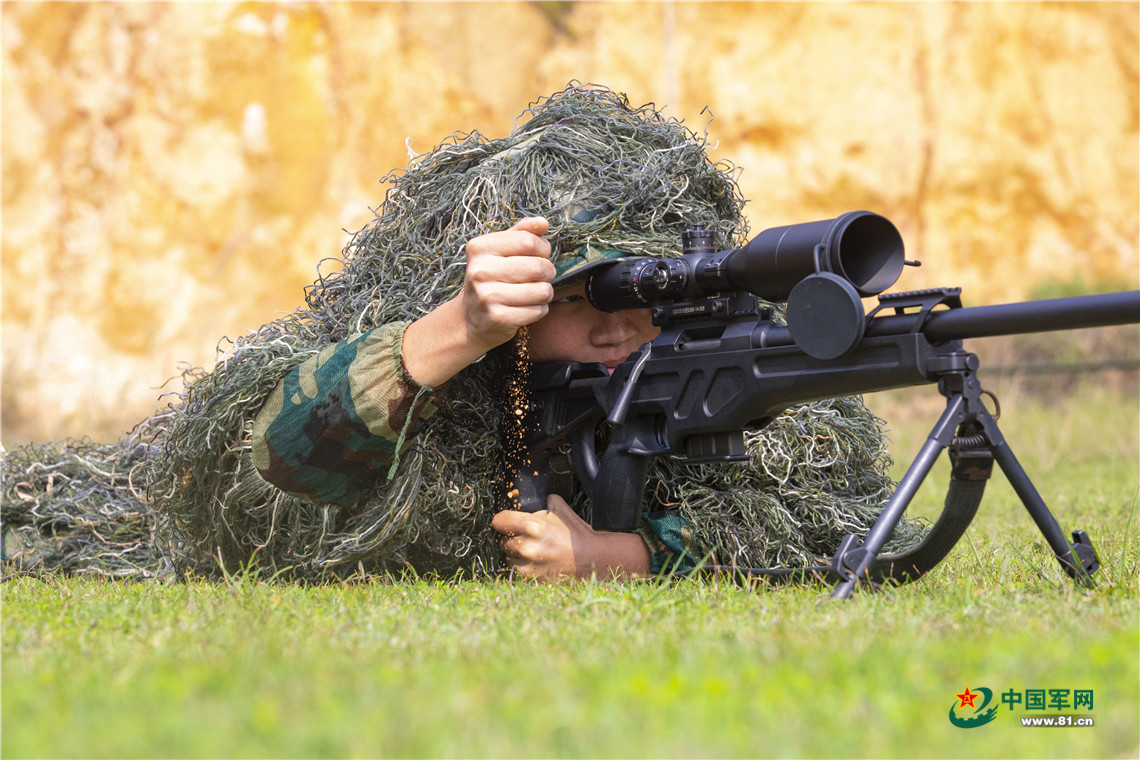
x=245 y=668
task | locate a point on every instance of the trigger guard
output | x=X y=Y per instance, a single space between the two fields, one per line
x=584 y=458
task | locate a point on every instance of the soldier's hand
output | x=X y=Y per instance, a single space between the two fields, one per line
x=555 y=543
x=507 y=284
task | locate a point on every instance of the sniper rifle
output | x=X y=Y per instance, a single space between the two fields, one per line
x=722 y=365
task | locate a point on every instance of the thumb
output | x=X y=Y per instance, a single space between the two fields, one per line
x=557 y=505
x=559 y=509
x=510 y=522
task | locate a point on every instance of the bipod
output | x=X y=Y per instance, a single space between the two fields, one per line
x=972 y=434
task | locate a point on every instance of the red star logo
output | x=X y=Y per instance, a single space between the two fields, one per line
x=967 y=698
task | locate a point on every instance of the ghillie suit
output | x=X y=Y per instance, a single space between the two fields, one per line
x=607 y=176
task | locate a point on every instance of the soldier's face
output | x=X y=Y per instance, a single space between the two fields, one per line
x=574 y=330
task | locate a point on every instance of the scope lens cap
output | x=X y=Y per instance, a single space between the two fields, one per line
x=825 y=316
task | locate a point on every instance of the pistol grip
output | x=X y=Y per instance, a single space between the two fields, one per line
x=528 y=489
x=616 y=501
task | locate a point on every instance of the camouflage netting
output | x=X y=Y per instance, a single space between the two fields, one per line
x=181 y=493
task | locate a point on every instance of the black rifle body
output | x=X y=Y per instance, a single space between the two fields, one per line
x=693 y=391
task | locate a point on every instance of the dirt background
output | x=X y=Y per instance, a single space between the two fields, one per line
x=173 y=172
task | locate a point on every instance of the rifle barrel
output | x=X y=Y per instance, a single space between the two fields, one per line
x=1047 y=315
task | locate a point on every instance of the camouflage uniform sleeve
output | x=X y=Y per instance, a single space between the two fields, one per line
x=341 y=419
x=673 y=544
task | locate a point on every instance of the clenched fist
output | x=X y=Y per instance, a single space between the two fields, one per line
x=506 y=286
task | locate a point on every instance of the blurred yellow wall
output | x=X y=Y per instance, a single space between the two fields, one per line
x=173 y=172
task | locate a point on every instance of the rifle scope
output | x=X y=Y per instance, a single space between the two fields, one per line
x=861 y=247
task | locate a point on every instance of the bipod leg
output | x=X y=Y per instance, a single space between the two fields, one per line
x=1079 y=567
x=853 y=563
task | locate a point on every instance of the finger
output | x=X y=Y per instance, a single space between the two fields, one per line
x=556 y=505
x=523 y=294
x=505 y=521
x=512 y=242
x=495 y=324
x=536 y=225
x=494 y=267
x=513 y=522
x=527 y=566
x=523 y=569
x=558 y=509
x=539 y=572
x=495 y=305
x=511 y=546
x=515 y=318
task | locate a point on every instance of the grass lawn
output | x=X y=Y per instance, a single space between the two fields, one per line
x=423 y=668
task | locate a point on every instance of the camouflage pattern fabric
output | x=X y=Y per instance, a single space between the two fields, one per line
x=673 y=544
x=338 y=420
